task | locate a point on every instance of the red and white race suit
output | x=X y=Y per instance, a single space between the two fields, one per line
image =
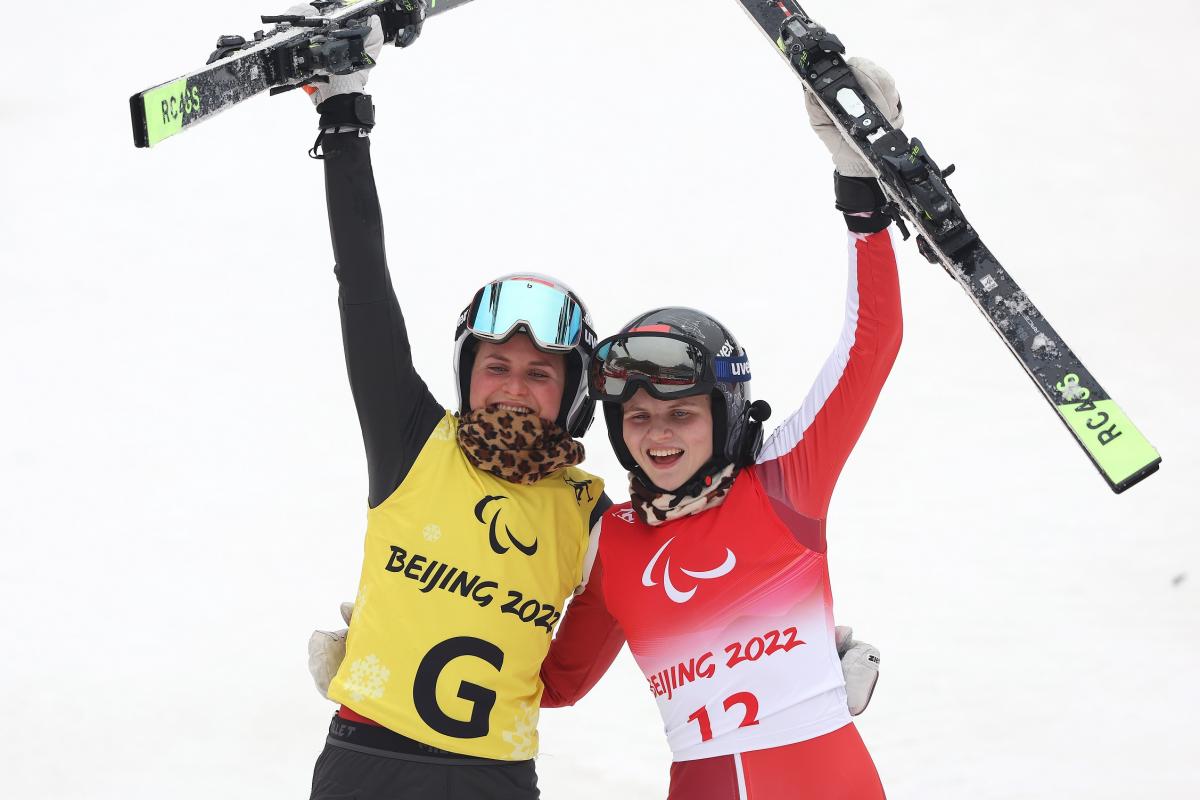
x=729 y=612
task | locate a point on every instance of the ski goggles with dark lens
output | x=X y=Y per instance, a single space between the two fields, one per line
x=550 y=315
x=666 y=365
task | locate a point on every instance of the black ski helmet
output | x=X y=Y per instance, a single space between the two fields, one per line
x=554 y=318
x=737 y=422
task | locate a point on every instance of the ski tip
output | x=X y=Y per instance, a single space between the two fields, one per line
x=1137 y=477
x=164 y=111
x=137 y=114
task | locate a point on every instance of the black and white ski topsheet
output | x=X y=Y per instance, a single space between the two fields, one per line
x=918 y=192
x=286 y=56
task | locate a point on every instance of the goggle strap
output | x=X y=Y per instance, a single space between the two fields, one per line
x=732 y=369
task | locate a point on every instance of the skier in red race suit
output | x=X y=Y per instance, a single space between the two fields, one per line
x=715 y=572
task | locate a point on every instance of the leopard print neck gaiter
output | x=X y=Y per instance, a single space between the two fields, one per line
x=519 y=448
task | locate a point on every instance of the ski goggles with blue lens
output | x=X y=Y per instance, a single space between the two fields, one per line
x=666 y=365
x=551 y=316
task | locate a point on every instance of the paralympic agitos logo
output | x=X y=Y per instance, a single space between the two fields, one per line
x=676 y=594
x=494 y=523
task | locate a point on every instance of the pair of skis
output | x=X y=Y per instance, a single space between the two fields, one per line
x=300 y=50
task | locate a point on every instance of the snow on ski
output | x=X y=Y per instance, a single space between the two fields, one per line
x=918 y=191
x=281 y=57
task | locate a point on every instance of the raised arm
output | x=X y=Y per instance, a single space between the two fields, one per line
x=802 y=460
x=396 y=410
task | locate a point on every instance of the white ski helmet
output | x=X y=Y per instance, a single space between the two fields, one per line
x=551 y=315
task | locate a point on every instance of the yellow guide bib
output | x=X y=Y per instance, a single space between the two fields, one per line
x=464 y=577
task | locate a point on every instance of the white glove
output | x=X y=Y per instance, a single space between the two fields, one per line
x=860 y=668
x=342 y=84
x=881 y=88
x=326 y=651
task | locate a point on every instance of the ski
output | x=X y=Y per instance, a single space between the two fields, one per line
x=918 y=192
x=285 y=57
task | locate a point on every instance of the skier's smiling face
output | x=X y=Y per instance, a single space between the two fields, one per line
x=517 y=376
x=669 y=439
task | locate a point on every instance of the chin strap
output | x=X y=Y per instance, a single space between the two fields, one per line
x=702 y=482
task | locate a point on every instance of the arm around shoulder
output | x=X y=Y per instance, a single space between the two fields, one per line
x=589 y=637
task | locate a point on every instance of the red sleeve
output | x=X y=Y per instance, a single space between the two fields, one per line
x=586 y=643
x=801 y=462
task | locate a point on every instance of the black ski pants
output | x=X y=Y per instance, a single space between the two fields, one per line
x=351 y=773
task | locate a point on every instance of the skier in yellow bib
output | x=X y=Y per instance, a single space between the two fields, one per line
x=478 y=519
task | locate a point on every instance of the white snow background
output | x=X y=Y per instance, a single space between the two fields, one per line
x=182 y=486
